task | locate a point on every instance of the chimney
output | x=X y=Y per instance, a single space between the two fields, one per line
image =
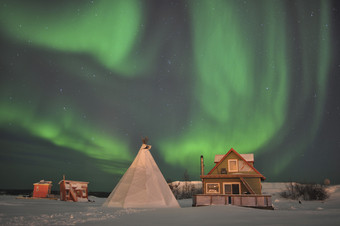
x=202 y=166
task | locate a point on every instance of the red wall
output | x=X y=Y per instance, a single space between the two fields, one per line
x=41 y=190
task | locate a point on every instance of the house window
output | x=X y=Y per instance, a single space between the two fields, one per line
x=232 y=165
x=213 y=188
x=223 y=171
x=231 y=188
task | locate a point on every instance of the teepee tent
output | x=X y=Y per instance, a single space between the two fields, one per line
x=142 y=185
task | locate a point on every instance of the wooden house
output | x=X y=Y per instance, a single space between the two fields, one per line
x=42 y=189
x=233 y=180
x=76 y=191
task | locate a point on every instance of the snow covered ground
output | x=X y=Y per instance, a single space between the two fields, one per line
x=287 y=212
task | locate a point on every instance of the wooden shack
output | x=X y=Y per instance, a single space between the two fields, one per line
x=233 y=180
x=76 y=191
x=42 y=189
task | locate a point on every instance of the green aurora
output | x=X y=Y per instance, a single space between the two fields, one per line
x=244 y=76
x=246 y=105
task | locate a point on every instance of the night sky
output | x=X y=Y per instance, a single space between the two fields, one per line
x=82 y=81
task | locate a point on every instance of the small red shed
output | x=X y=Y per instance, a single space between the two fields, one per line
x=42 y=189
x=75 y=191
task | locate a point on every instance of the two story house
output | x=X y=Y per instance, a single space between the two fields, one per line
x=233 y=180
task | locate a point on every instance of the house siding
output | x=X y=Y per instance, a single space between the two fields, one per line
x=224 y=164
x=255 y=184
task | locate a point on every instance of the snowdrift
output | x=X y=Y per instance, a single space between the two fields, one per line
x=287 y=212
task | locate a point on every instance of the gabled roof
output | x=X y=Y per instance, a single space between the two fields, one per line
x=240 y=156
x=73 y=181
x=247 y=157
x=42 y=182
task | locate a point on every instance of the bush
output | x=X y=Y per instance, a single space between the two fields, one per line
x=184 y=190
x=305 y=192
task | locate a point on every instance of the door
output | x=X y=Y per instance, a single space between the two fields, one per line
x=235 y=188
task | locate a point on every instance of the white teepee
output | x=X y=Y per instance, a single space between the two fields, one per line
x=142 y=185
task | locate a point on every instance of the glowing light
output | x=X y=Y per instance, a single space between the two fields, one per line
x=257 y=68
x=237 y=59
x=67 y=131
x=108 y=30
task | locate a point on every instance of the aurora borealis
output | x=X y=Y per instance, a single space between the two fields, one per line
x=83 y=81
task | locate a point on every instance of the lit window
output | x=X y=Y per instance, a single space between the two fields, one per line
x=213 y=188
x=232 y=165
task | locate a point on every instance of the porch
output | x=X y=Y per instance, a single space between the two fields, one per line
x=246 y=200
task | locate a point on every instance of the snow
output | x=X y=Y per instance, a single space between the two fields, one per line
x=287 y=212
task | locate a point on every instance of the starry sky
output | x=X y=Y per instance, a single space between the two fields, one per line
x=82 y=81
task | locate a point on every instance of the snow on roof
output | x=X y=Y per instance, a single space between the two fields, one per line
x=247 y=157
x=43 y=182
x=73 y=181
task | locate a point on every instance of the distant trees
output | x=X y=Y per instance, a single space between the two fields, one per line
x=186 y=176
x=305 y=191
x=184 y=189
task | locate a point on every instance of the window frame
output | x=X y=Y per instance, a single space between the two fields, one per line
x=231 y=184
x=218 y=186
x=224 y=171
x=229 y=168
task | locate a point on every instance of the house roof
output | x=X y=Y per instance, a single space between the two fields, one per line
x=240 y=156
x=247 y=157
x=43 y=182
x=73 y=181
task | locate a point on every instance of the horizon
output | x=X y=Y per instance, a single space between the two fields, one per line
x=14 y=191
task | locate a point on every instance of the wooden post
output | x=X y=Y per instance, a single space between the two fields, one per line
x=202 y=173
x=202 y=166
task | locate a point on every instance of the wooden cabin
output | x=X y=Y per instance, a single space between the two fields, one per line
x=42 y=189
x=233 y=180
x=76 y=191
